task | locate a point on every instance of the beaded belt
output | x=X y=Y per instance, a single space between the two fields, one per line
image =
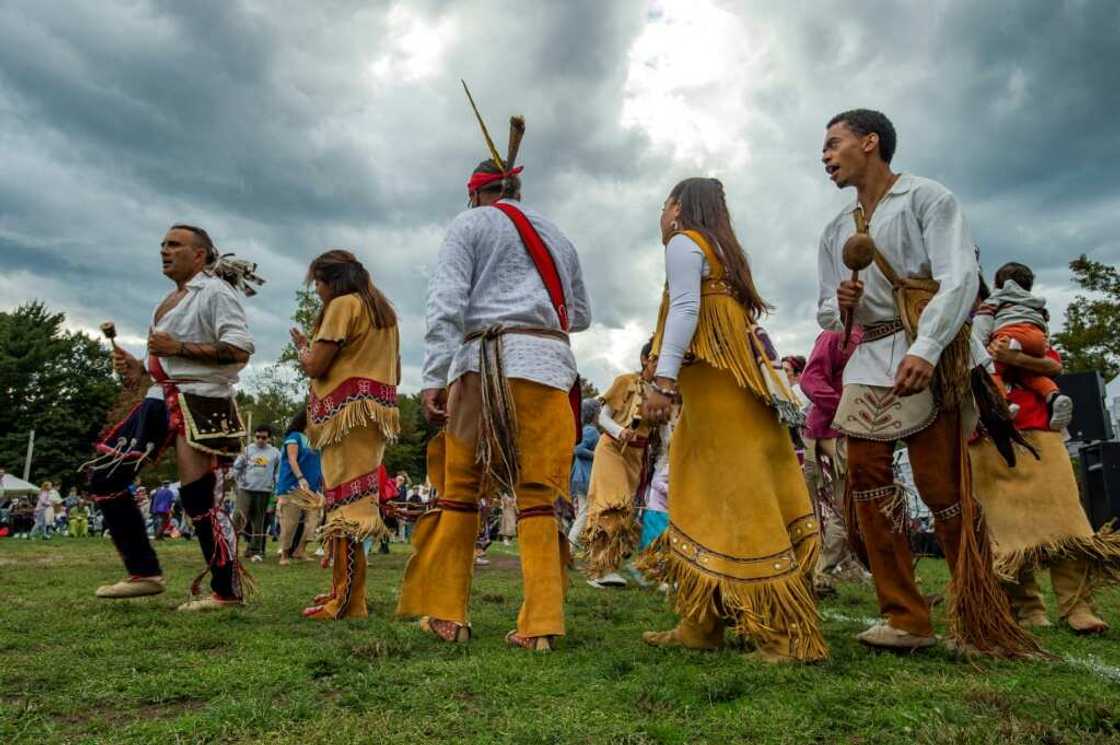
x=882 y=330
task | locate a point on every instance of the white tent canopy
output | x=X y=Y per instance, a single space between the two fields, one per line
x=13 y=486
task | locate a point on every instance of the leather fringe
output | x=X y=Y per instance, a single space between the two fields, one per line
x=609 y=538
x=952 y=378
x=497 y=449
x=355 y=414
x=979 y=611
x=1101 y=551
x=783 y=605
x=337 y=526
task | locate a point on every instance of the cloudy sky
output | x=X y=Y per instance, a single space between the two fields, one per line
x=286 y=128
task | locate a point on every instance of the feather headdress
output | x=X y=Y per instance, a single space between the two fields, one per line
x=506 y=166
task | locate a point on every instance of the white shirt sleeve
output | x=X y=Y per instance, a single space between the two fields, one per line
x=684 y=270
x=228 y=318
x=953 y=264
x=579 y=306
x=828 y=309
x=448 y=296
x=610 y=426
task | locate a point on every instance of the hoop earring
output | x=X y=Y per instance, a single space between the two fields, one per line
x=674 y=226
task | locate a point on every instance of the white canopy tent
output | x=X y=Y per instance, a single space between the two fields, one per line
x=13 y=486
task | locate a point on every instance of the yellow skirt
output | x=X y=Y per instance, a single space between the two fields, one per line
x=612 y=529
x=742 y=539
x=1034 y=510
x=350 y=484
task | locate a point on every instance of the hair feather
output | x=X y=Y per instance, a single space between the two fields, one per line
x=485 y=134
x=516 y=132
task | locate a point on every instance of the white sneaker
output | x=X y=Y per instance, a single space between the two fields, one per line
x=257 y=558
x=1061 y=411
x=320 y=552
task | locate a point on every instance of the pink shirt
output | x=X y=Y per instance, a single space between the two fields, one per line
x=822 y=382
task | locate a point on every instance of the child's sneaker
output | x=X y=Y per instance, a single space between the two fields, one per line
x=1060 y=407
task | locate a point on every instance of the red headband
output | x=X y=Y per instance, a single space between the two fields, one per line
x=482 y=180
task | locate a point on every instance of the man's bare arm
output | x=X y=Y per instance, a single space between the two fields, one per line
x=220 y=352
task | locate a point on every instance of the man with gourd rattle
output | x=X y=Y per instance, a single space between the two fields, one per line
x=899 y=261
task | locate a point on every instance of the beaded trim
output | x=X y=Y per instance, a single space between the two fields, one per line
x=870 y=495
x=877 y=331
x=953 y=510
x=322 y=408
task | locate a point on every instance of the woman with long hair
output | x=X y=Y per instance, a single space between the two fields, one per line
x=353 y=360
x=739 y=551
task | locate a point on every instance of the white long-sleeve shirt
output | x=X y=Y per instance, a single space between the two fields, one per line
x=607 y=422
x=209 y=313
x=921 y=231
x=685 y=269
x=484 y=276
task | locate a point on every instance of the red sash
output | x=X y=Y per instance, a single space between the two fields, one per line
x=170 y=395
x=546 y=268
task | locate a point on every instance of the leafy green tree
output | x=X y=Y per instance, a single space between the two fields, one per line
x=59 y=383
x=587 y=389
x=272 y=395
x=1090 y=339
x=307 y=310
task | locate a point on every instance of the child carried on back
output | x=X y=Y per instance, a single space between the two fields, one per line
x=1011 y=312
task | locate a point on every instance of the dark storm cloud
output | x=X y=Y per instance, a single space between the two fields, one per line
x=289 y=128
x=268 y=128
x=1010 y=104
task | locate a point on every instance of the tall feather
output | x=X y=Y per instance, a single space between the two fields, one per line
x=516 y=132
x=489 y=142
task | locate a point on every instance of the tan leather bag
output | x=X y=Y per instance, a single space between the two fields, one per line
x=911 y=295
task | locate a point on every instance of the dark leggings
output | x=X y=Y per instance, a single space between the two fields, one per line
x=198 y=501
x=122 y=517
x=130 y=534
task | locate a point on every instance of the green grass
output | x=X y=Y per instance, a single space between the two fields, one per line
x=76 y=669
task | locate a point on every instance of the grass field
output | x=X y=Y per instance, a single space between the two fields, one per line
x=76 y=669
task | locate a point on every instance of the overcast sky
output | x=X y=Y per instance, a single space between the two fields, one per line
x=286 y=128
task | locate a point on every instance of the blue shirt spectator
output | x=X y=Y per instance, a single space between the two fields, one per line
x=585 y=449
x=162 y=499
x=307 y=458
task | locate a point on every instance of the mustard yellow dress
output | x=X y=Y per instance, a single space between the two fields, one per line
x=742 y=538
x=352 y=414
x=612 y=529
